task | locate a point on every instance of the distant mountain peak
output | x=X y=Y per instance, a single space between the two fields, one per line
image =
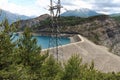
x=82 y=12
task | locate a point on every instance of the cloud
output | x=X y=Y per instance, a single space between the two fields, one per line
x=106 y=6
x=76 y=4
x=103 y=6
x=19 y=9
x=67 y=4
x=42 y=3
x=40 y=6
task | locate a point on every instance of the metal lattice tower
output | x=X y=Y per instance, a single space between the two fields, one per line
x=55 y=11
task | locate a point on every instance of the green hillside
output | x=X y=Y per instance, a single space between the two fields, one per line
x=117 y=18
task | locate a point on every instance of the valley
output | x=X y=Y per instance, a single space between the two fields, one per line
x=59 y=40
x=100 y=35
x=101 y=29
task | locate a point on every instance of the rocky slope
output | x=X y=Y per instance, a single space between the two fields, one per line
x=32 y=23
x=101 y=29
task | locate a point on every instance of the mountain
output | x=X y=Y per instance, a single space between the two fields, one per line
x=115 y=15
x=80 y=13
x=32 y=23
x=11 y=16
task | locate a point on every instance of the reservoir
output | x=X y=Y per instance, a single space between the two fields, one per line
x=48 y=42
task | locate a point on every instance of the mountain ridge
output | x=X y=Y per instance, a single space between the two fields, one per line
x=115 y=14
x=12 y=17
x=33 y=22
x=83 y=12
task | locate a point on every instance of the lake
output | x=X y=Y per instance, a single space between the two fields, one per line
x=43 y=41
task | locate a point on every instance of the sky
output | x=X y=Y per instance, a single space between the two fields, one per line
x=38 y=7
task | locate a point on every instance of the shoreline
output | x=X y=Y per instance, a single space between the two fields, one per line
x=73 y=40
x=73 y=37
x=48 y=34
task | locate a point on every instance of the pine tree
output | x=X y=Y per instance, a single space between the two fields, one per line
x=51 y=69
x=7 y=48
x=29 y=55
x=72 y=68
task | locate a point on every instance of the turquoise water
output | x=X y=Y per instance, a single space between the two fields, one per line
x=43 y=41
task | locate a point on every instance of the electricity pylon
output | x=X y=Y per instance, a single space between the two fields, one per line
x=55 y=11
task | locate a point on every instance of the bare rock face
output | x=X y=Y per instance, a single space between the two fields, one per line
x=107 y=33
x=116 y=49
